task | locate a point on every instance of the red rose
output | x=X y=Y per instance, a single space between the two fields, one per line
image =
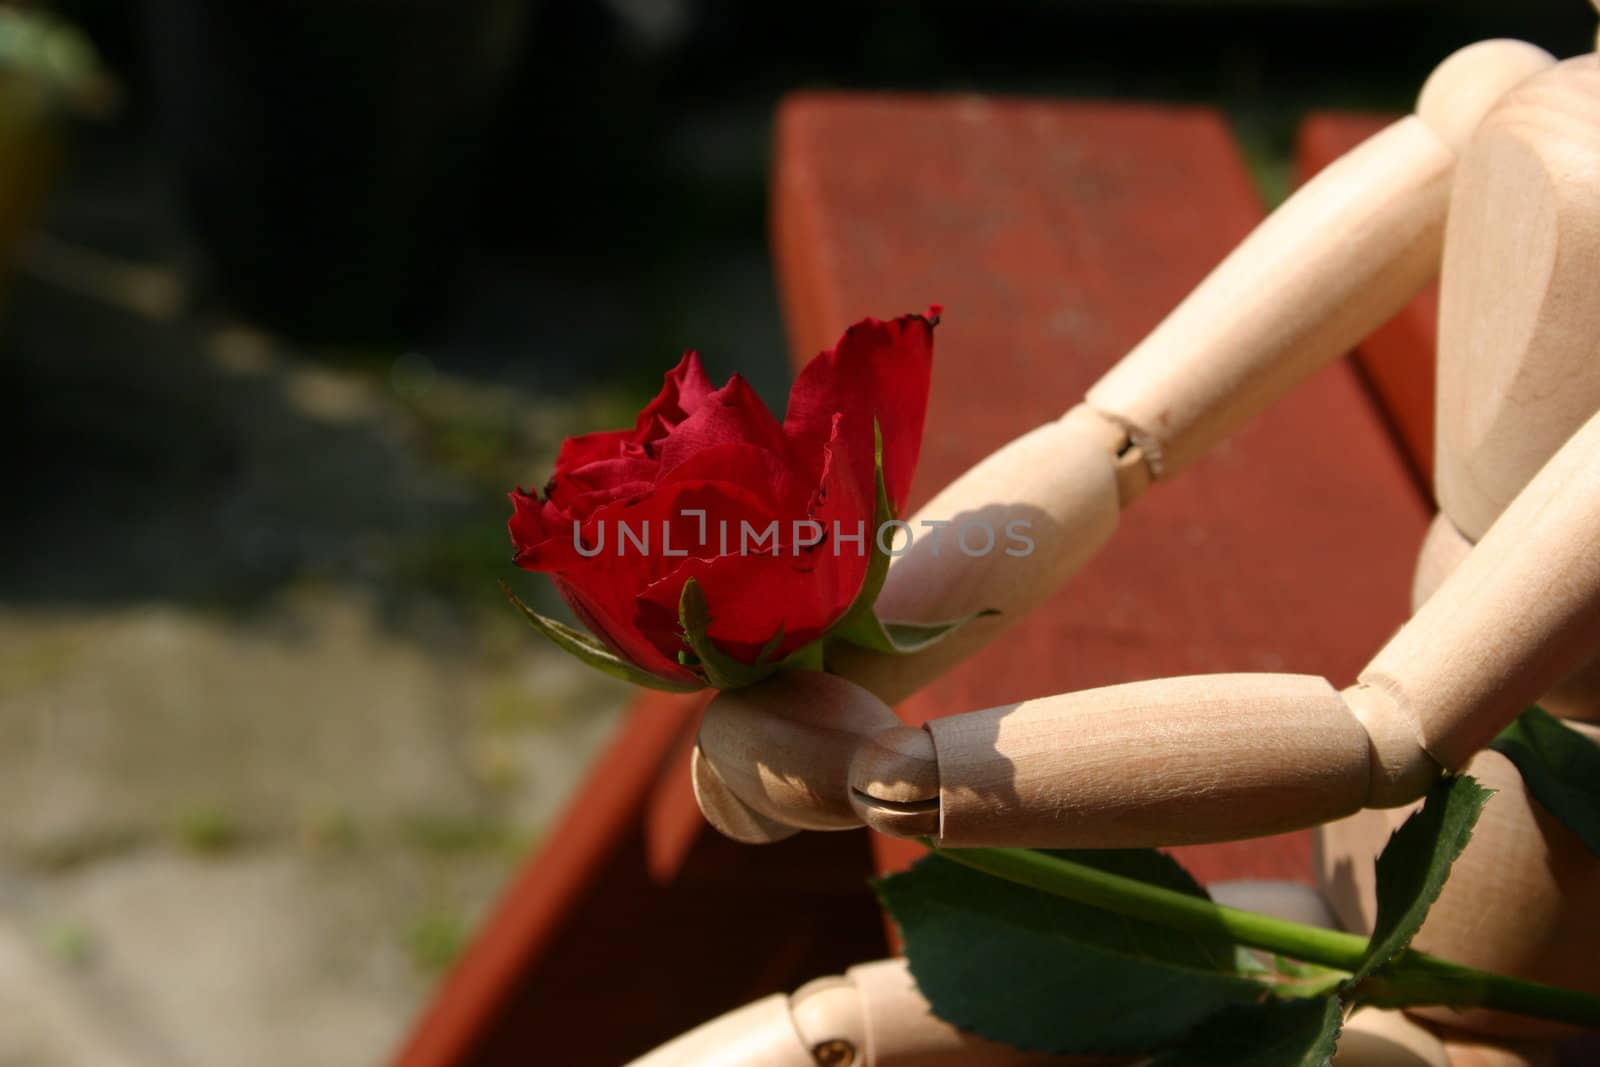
x=630 y=516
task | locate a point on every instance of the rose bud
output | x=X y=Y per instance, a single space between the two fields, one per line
x=711 y=543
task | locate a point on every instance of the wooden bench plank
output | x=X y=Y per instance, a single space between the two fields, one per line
x=1056 y=235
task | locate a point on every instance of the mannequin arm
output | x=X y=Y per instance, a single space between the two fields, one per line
x=1209 y=758
x=1182 y=760
x=1343 y=254
x=1328 y=267
x=1335 y=260
x=871 y=1016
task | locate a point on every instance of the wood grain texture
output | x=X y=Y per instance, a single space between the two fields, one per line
x=1576 y=696
x=902 y=1030
x=872 y=1015
x=1518 y=853
x=1521 y=896
x=783 y=746
x=1154 y=763
x=1057 y=486
x=761 y=1034
x=1396 y=360
x=1519 y=349
x=1337 y=259
x=1517 y=615
x=1058 y=235
x=1375 y=1038
x=1471 y=81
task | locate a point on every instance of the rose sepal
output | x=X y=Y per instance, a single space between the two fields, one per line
x=722 y=671
x=861 y=625
x=592 y=652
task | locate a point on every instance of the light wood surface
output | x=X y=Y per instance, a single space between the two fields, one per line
x=1060 y=482
x=1517 y=615
x=1577 y=696
x=724 y=810
x=1517 y=471
x=1519 y=317
x=1373 y=1038
x=1471 y=1051
x=1471 y=82
x=783 y=748
x=761 y=1034
x=871 y=1016
x=1163 y=762
x=1520 y=899
x=902 y=1030
x=1339 y=257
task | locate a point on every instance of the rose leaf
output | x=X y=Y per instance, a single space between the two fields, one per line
x=1413 y=866
x=1038 y=972
x=1561 y=768
x=1273 y=1033
x=591 y=652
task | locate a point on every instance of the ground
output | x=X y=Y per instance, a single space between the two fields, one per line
x=272 y=740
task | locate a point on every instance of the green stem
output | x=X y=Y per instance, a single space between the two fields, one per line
x=1412 y=978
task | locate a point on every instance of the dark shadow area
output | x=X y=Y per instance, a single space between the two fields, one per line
x=546 y=200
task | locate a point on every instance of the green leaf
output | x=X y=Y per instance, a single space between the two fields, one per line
x=860 y=625
x=1274 y=1033
x=1297 y=978
x=592 y=652
x=1039 y=972
x=1415 y=863
x=1561 y=768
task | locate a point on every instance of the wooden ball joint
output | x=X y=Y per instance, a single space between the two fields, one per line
x=1493 y=184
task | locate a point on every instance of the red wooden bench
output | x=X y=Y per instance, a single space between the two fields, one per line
x=1055 y=235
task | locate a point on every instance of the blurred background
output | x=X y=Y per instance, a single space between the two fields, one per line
x=293 y=294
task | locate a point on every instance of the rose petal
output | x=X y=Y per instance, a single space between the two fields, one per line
x=611 y=580
x=528 y=526
x=733 y=414
x=588 y=448
x=622 y=637
x=802 y=590
x=582 y=490
x=878 y=370
x=581 y=505
x=758 y=469
x=684 y=389
x=721 y=452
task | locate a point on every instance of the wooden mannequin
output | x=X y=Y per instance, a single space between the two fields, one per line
x=1495 y=183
